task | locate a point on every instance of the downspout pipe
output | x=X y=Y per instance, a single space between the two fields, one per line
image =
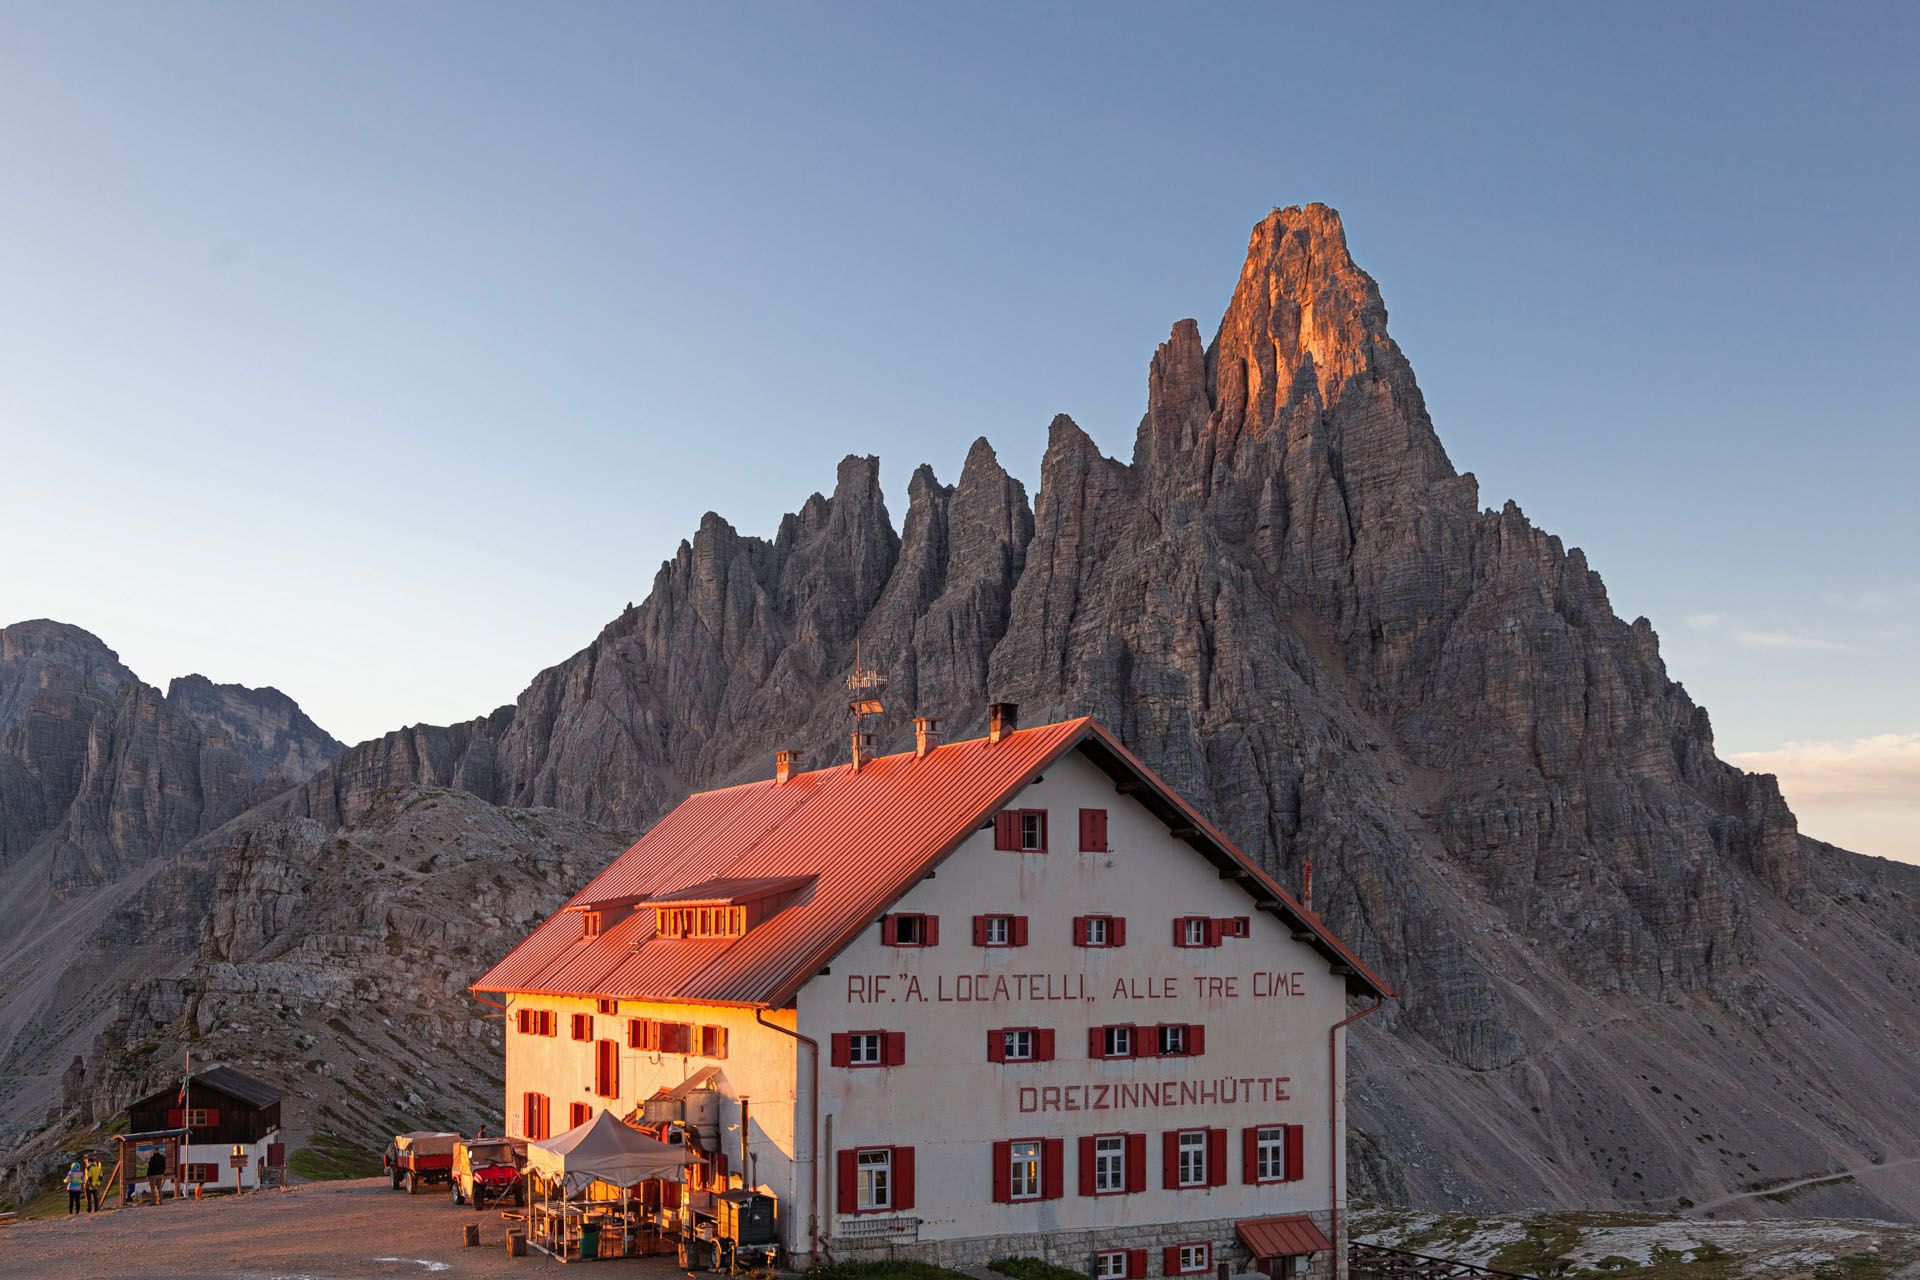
x=813 y=1123
x=1336 y=1139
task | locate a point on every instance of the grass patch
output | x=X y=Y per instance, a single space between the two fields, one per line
x=328 y=1158
x=1033 y=1269
x=889 y=1270
x=1541 y=1252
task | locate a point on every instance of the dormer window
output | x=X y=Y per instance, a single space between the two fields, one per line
x=590 y=924
x=700 y=922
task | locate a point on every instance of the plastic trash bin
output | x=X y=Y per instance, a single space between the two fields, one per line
x=590 y=1240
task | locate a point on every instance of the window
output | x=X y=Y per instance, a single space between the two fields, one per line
x=864 y=1049
x=676 y=1037
x=1193 y=931
x=202 y=1172
x=1173 y=1041
x=1237 y=927
x=201 y=1117
x=999 y=931
x=1020 y=1044
x=583 y=1026
x=608 y=1007
x=909 y=929
x=1109 y=1164
x=700 y=922
x=1099 y=931
x=590 y=924
x=1093 y=831
x=1021 y=830
x=1110 y=1042
x=538 y=1022
x=578 y=1113
x=1273 y=1153
x=1027 y=1169
x=875 y=1180
x=1193 y=1158
x=643 y=1033
x=533 y=1116
x=606 y=1068
x=713 y=1042
x=875 y=1170
x=1110 y=1264
x=1189 y=1259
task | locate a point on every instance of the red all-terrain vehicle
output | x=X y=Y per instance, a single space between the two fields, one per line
x=420 y=1159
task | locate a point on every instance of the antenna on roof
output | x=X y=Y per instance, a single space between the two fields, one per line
x=863 y=686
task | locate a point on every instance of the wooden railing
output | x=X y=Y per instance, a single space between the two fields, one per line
x=1377 y=1262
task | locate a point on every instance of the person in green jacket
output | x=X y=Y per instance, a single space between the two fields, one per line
x=76 y=1183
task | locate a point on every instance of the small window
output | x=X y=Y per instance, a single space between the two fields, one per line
x=1110 y=1164
x=1099 y=931
x=676 y=1037
x=1021 y=830
x=1270 y=1154
x=1195 y=1258
x=1110 y=1264
x=1193 y=1159
x=713 y=1042
x=203 y=1173
x=999 y=931
x=606 y=1068
x=1093 y=831
x=1024 y=1174
x=583 y=1026
x=865 y=1049
x=874 y=1173
x=906 y=929
x=1033 y=831
x=198 y=1118
x=643 y=1033
x=1173 y=1041
x=578 y=1113
x=590 y=924
x=608 y=1007
x=1117 y=1042
x=1019 y=1045
x=1193 y=932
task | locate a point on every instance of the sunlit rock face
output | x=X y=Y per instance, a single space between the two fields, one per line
x=1625 y=978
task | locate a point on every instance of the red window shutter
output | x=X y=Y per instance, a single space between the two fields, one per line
x=842 y=1049
x=1093 y=831
x=1296 y=1153
x=1136 y=1162
x=1136 y=1264
x=894 y=1049
x=176 y=1118
x=996 y=1046
x=1079 y=931
x=1250 y=1156
x=1179 y=931
x=1006 y=829
x=979 y=931
x=1043 y=1045
x=903 y=1177
x=1170 y=1260
x=1053 y=1168
x=1216 y=1157
x=889 y=931
x=849 y=1194
x=1042 y=847
x=1096 y=1042
x=1003 y=1173
x=1117 y=931
x=1216 y=930
x=1146 y=1042
x=1019 y=931
x=930 y=931
x=1196 y=1040
x=1170 y=1159
x=1086 y=1167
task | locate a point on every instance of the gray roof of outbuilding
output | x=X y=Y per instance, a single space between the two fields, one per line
x=238 y=1085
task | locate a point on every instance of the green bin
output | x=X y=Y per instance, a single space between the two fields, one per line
x=590 y=1240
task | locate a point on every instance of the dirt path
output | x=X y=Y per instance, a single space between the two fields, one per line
x=1721 y=1203
x=320 y=1231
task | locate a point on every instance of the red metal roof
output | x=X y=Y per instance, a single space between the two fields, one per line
x=731 y=891
x=1282 y=1237
x=857 y=843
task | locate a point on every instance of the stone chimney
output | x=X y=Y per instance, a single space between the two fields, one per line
x=783 y=764
x=1002 y=719
x=926 y=736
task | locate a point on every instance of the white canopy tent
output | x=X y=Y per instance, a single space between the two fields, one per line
x=604 y=1149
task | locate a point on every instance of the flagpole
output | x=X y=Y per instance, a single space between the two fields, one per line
x=186 y=1124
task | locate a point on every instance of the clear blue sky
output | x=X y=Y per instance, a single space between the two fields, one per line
x=381 y=352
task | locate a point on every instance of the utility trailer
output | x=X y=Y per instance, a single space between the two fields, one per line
x=489 y=1171
x=420 y=1159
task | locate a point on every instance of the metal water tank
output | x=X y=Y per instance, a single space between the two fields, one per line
x=703 y=1116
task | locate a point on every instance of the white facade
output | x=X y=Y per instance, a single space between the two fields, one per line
x=1266 y=1001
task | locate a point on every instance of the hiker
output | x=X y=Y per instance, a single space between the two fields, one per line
x=96 y=1182
x=156 y=1170
x=76 y=1183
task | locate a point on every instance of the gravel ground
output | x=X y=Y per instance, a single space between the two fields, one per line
x=318 y=1231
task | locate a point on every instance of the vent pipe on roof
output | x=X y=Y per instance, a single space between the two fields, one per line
x=1002 y=719
x=926 y=736
x=783 y=764
x=862 y=743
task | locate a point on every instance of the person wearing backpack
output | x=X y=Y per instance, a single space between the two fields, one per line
x=76 y=1184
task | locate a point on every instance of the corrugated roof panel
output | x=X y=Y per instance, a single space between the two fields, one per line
x=1282 y=1237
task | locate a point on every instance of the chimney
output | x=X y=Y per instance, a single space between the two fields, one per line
x=783 y=764
x=862 y=743
x=1002 y=719
x=1306 y=888
x=926 y=736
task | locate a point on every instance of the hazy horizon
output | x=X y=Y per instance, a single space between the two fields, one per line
x=381 y=355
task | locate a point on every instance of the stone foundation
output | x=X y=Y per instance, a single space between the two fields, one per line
x=1075 y=1249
